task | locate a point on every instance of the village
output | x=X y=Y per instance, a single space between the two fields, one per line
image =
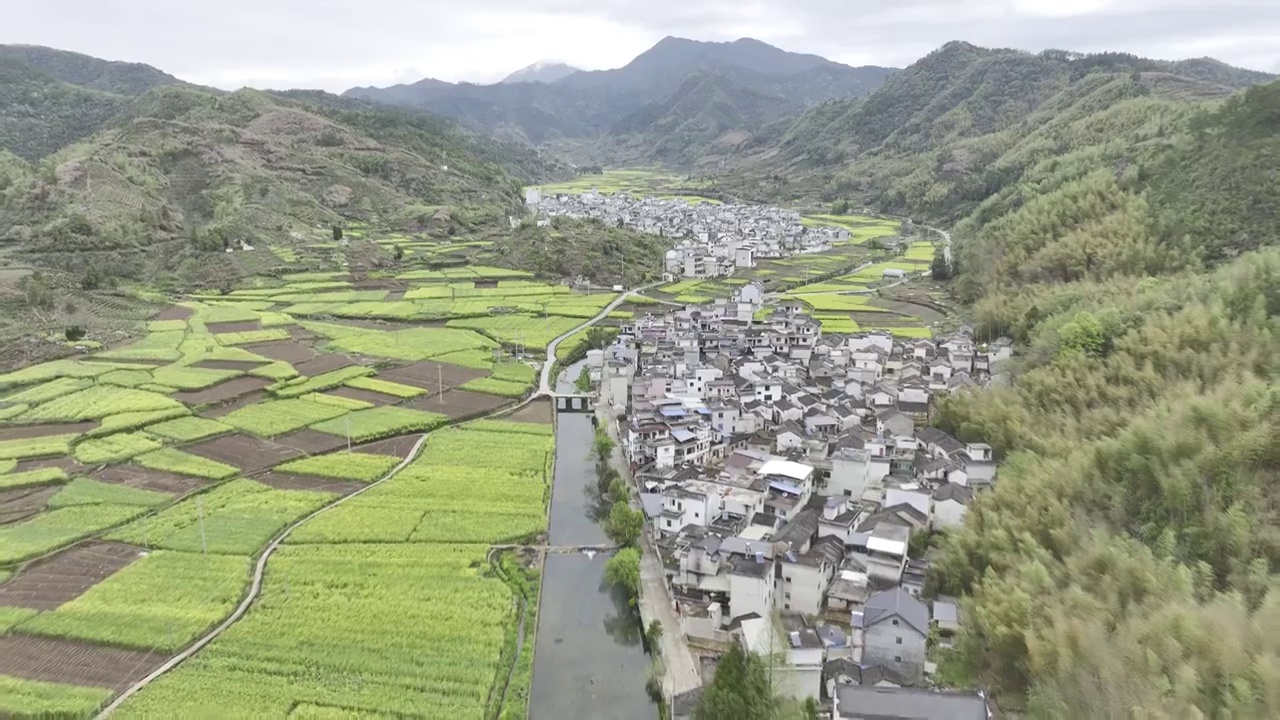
x=791 y=483
x=710 y=240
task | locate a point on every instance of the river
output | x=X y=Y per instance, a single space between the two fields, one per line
x=589 y=657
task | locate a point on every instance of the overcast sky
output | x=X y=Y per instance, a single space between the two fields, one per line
x=333 y=44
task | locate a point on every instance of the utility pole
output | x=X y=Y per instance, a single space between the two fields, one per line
x=204 y=545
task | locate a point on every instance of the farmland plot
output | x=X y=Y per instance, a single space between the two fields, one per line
x=163 y=601
x=237 y=518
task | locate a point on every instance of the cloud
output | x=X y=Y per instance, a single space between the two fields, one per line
x=334 y=45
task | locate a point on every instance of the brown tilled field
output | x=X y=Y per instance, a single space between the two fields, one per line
x=427 y=374
x=21 y=503
x=238 y=326
x=239 y=365
x=68 y=464
x=148 y=479
x=289 y=481
x=458 y=403
x=311 y=442
x=24 y=432
x=66 y=576
x=230 y=406
x=222 y=392
x=397 y=446
x=290 y=351
x=250 y=454
x=384 y=325
x=323 y=363
x=174 y=312
x=538 y=411
x=368 y=396
x=75 y=663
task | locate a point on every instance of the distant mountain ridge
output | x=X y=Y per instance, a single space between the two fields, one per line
x=543 y=71
x=121 y=78
x=597 y=103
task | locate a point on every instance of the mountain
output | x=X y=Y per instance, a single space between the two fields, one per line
x=707 y=114
x=543 y=71
x=95 y=179
x=119 y=78
x=1117 y=218
x=40 y=114
x=596 y=104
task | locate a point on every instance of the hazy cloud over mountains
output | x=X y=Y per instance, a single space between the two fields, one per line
x=335 y=45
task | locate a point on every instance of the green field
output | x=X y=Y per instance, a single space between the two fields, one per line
x=636 y=181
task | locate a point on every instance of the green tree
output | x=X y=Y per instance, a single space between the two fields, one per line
x=740 y=689
x=840 y=207
x=624 y=569
x=1082 y=335
x=74 y=332
x=602 y=445
x=398 y=252
x=337 y=232
x=940 y=268
x=624 y=523
x=583 y=383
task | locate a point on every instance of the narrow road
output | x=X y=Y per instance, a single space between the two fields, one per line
x=544 y=381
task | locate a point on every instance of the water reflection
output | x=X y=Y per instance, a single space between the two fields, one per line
x=589 y=658
x=589 y=661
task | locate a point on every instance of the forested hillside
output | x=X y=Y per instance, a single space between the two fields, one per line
x=1119 y=221
x=586 y=248
x=96 y=178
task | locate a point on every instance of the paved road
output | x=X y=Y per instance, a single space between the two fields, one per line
x=544 y=381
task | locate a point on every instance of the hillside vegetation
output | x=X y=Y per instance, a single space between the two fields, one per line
x=198 y=171
x=1117 y=217
x=586 y=248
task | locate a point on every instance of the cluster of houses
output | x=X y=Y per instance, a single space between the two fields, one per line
x=709 y=240
x=790 y=483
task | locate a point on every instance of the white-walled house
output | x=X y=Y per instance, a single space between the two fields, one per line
x=798 y=655
x=950 y=504
x=751 y=585
x=893 y=630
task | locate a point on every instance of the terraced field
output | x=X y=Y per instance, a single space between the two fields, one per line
x=138 y=485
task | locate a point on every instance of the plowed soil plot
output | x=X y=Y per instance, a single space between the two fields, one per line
x=312 y=442
x=301 y=334
x=74 y=663
x=66 y=576
x=397 y=446
x=22 y=503
x=148 y=479
x=68 y=464
x=538 y=411
x=427 y=374
x=286 y=350
x=239 y=365
x=226 y=408
x=223 y=391
x=372 y=324
x=23 y=432
x=174 y=312
x=368 y=396
x=288 y=481
x=239 y=326
x=323 y=363
x=250 y=454
x=459 y=403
